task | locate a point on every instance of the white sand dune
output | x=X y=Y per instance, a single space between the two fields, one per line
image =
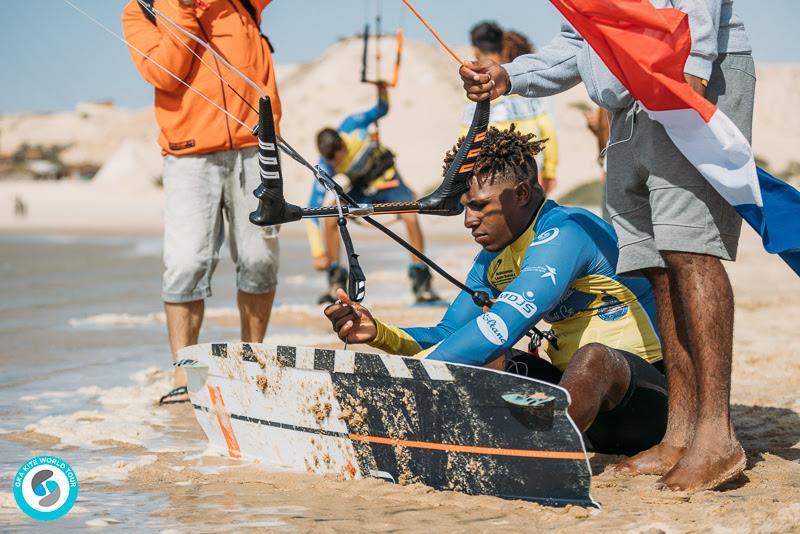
x=423 y=123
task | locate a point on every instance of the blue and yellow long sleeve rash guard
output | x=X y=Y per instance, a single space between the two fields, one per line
x=354 y=131
x=560 y=270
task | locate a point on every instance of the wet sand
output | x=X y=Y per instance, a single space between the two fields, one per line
x=151 y=462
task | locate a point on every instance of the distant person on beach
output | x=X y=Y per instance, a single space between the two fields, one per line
x=370 y=167
x=542 y=261
x=530 y=115
x=210 y=162
x=672 y=226
x=20 y=209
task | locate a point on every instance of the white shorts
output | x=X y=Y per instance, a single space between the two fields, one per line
x=199 y=188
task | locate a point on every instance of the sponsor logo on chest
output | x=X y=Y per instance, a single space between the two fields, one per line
x=502 y=273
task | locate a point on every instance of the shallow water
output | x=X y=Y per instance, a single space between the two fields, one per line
x=84 y=355
x=81 y=322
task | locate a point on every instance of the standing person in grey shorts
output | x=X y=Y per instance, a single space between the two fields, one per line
x=671 y=224
x=210 y=161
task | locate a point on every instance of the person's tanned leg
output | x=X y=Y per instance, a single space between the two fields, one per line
x=254 y=313
x=706 y=298
x=597 y=379
x=331 y=227
x=414 y=233
x=183 y=326
x=681 y=383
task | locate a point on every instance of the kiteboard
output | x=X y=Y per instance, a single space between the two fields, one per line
x=405 y=420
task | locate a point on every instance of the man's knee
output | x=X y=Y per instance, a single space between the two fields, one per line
x=654 y=273
x=330 y=223
x=592 y=356
x=410 y=219
x=258 y=273
x=601 y=369
x=186 y=279
x=687 y=260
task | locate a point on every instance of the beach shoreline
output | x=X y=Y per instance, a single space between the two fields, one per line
x=153 y=462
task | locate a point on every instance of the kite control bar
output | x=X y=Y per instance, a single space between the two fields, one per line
x=392 y=82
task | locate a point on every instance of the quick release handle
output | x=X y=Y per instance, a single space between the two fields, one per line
x=269 y=166
x=357 y=281
x=272 y=207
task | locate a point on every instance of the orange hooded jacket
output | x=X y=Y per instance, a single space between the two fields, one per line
x=190 y=124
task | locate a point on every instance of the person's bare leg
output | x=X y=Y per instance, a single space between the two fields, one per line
x=597 y=379
x=254 y=312
x=714 y=455
x=414 y=233
x=681 y=383
x=183 y=326
x=332 y=239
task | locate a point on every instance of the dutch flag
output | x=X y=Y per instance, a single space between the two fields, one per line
x=646 y=49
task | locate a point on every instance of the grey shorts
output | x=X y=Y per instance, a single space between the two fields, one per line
x=199 y=190
x=656 y=199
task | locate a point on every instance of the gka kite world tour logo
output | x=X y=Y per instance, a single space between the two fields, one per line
x=45 y=488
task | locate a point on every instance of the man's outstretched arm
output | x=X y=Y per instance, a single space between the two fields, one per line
x=360 y=121
x=353 y=323
x=550 y=71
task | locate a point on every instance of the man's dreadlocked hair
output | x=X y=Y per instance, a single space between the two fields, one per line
x=505 y=155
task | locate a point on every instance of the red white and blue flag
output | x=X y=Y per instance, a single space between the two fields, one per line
x=646 y=49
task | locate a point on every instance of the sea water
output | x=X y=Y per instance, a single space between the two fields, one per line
x=82 y=335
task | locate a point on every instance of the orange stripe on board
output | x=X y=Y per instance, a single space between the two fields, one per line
x=468 y=448
x=224 y=420
x=474 y=152
x=480 y=137
x=466 y=168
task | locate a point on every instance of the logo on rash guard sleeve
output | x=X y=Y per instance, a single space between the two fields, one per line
x=522 y=303
x=547 y=272
x=545 y=237
x=493 y=328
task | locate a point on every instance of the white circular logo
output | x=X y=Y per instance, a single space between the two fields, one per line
x=493 y=328
x=545 y=237
x=45 y=488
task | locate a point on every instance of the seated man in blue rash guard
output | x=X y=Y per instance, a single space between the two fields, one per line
x=542 y=261
x=370 y=168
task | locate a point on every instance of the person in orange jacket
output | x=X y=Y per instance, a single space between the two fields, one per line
x=210 y=160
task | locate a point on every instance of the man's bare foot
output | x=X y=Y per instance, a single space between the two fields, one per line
x=657 y=460
x=705 y=469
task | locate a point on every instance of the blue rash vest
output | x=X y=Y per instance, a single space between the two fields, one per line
x=561 y=270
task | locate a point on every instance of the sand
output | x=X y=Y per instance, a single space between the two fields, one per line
x=766 y=412
x=208 y=493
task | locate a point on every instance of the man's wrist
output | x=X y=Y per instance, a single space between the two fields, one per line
x=381 y=333
x=508 y=80
x=698 y=66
